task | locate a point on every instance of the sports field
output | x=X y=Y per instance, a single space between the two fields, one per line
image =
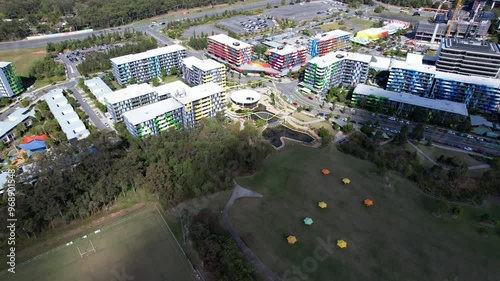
x=398 y=238
x=138 y=247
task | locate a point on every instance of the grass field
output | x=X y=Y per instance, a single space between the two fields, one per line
x=396 y=239
x=361 y=23
x=139 y=246
x=436 y=152
x=330 y=26
x=23 y=59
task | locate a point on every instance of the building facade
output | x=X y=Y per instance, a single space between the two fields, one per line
x=336 y=69
x=10 y=83
x=436 y=32
x=324 y=43
x=196 y=72
x=403 y=104
x=154 y=118
x=20 y=115
x=469 y=58
x=229 y=50
x=183 y=109
x=410 y=78
x=476 y=92
x=287 y=57
x=127 y=99
x=147 y=65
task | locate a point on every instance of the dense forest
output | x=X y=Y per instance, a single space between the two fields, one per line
x=79 y=180
x=41 y=15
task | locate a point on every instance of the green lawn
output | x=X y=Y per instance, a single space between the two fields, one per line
x=170 y=79
x=396 y=239
x=139 y=246
x=363 y=24
x=330 y=26
x=23 y=59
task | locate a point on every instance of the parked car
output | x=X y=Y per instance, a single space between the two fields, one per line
x=468 y=148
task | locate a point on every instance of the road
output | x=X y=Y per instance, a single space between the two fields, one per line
x=144 y=27
x=86 y=107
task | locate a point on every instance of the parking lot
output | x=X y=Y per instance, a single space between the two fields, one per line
x=302 y=11
x=248 y=24
x=205 y=28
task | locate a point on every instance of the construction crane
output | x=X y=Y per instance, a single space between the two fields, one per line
x=454 y=18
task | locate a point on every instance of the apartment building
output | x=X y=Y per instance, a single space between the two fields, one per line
x=229 y=50
x=196 y=72
x=147 y=65
x=410 y=78
x=480 y=93
x=469 y=58
x=288 y=57
x=403 y=103
x=154 y=118
x=98 y=88
x=184 y=108
x=66 y=116
x=10 y=83
x=324 y=43
x=20 y=115
x=134 y=96
x=336 y=69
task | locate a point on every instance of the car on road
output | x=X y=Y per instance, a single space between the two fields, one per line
x=295 y=104
x=392 y=118
x=106 y=124
x=468 y=148
x=311 y=98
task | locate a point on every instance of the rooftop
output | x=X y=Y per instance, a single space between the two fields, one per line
x=287 y=49
x=331 y=58
x=150 y=111
x=380 y=63
x=147 y=54
x=65 y=115
x=492 y=82
x=4 y=63
x=132 y=91
x=16 y=117
x=198 y=92
x=98 y=87
x=471 y=46
x=442 y=105
x=234 y=43
x=171 y=88
x=476 y=120
x=413 y=66
x=189 y=61
x=332 y=34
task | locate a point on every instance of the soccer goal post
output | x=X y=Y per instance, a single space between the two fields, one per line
x=89 y=248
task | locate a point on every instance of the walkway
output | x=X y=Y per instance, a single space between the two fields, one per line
x=240 y=192
x=477 y=167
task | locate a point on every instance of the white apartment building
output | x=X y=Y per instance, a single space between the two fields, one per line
x=66 y=116
x=129 y=98
x=196 y=72
x=147 y=65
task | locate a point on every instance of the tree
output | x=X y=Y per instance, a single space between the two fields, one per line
x=402 y=137
x=156 y=82
x=132 y=81
x=260 y=49
x=306 y=32
x=173 y=71
x=418 y=132
x=283 y=2
x=378 y=9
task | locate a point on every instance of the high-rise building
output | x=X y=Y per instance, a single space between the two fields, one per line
x=410 y=78
x=335 y=69
x=403 y=103
x=476 y=92
x=184 y=108
x=469 y=58
x=324 y=43
x=10 y=83
x=436 y=32
x=229 y=50
x=147 y=65
x=196 y=72
x=288 y=57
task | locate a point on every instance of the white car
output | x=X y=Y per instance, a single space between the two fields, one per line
x=106 y=124
x=468 y=148
x=392 y=118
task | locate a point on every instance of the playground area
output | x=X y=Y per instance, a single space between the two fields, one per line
x=137 y=247
x=368 y=228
